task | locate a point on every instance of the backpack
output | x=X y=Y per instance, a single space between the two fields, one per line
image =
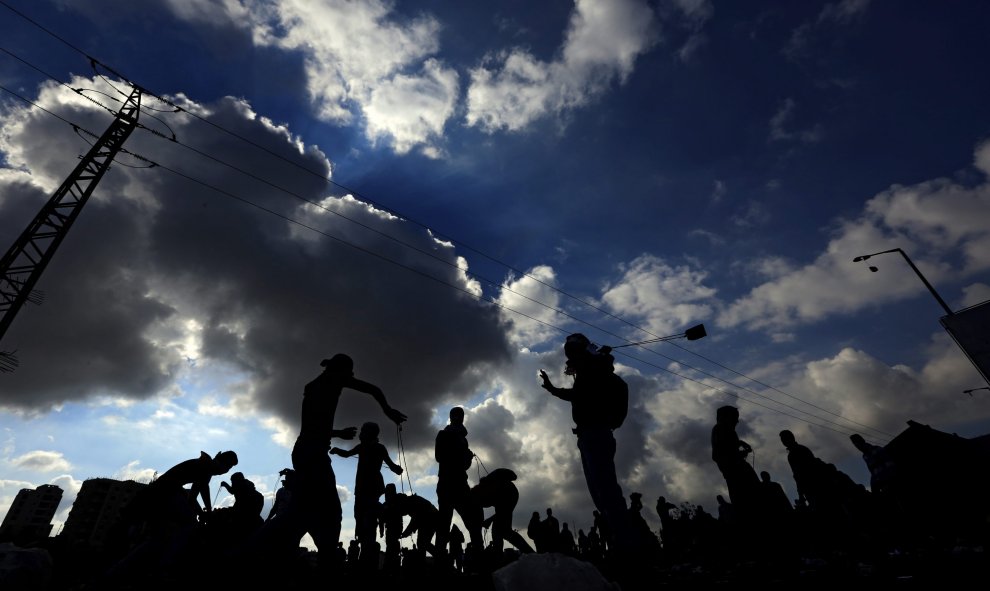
x=616 y=393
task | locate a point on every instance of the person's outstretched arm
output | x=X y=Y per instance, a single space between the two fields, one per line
x=345 y=453
x=392 y=465
x=396 y=416
x=562 y=393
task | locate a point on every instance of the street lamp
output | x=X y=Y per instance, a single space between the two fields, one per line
x=967 y=327
x=971 y=390
x=920 y=276
x=692 y=334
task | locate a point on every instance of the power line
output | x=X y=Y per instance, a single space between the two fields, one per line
x=427 y=275
x=95 y=63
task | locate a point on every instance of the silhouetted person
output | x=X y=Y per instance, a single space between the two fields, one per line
x=583 y=544
x=454 y=456
x=596 y=547
x=837 y=503
x=317 y=494
x=599 y=403
x=783 y=542
x=550 y=527
x=877 y=462
x=236 y=524
x=729 y=453
x=668 y=525
x=497 y=490
x=808 y=471
x=645 y=537
x=891 y=512
x=275 y=545
x=567 y=545
x=168 y=512
x=369 y=486
x=667 y=522
x=457 y=547
x=283 y=496
x=423 y=518
x=535 y=532
x=776 y=500
x=353 y=554
x=390 y=527
x=168 y=489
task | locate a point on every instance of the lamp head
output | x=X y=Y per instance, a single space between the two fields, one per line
x=696 y=332
x=874 y=269
x=861 y=258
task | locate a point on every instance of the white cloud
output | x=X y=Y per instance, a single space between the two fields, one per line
x=172 y=289
x=935 y=222
x=412 y=110
x=41 y=461
x=533 y=296
x=209 y=11
x=134 y=471
x=981 y=160
x=975 y=294
x=603 y=40
x=362 y=59
x=667 y=299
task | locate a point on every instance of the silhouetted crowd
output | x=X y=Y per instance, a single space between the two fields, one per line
x=171 y=532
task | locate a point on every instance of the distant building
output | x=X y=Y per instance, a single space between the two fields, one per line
x=97 y=509
x=29 y=519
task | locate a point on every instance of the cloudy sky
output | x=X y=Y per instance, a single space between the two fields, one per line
x=444 y=190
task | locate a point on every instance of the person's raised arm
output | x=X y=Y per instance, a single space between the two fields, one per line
x=396 y=416
x=562 y=393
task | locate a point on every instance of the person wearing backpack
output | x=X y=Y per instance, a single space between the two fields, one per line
x=599 y=404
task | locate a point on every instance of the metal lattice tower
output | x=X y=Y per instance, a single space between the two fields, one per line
x=27 y=258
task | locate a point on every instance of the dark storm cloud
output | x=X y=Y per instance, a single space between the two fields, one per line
x=272 y=298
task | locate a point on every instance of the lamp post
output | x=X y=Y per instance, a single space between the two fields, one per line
x=692 y=334
x=971 y=390
x=941 y=302
x=967 y=327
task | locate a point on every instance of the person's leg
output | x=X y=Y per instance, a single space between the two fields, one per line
x=323 y=504
x=424 y=539
x=446 y=515
x=598 y=461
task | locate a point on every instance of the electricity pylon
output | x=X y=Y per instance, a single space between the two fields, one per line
x=27 y=258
